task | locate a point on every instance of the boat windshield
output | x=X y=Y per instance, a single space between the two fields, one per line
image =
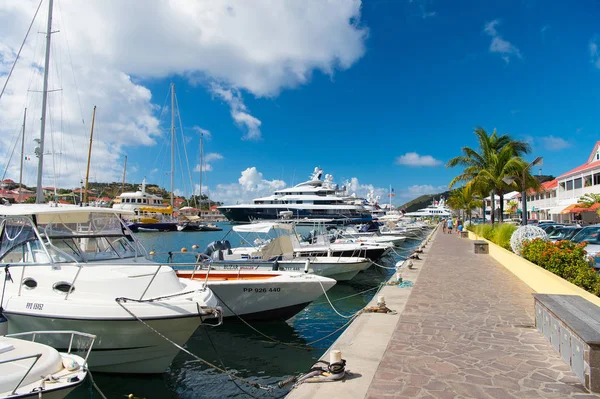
x=89 y=237
x=66 y=237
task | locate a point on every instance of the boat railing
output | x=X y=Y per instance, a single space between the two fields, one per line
x=91 y=338
x=37 y=356
x=18 y=359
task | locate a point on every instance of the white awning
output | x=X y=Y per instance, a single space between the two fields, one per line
x=554 y=210
x=263 y=227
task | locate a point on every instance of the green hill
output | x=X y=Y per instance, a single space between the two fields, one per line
x=422 y=201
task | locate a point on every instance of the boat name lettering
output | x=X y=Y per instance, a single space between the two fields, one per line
x=289 y=268
x=34 y=306
x=262 y=290
x=230 y=267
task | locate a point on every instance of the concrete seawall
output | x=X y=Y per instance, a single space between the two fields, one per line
x=465 y=330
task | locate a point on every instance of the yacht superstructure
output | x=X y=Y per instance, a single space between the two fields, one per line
x=315 y=199
x=437 y=208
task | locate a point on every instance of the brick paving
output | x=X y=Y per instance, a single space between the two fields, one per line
x=467 y=331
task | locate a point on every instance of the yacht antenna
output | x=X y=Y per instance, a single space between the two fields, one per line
x=87 y=172
x=172 y=139
x=39 y=195
x=22 y=157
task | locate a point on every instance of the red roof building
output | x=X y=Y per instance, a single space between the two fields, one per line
x=581 y=180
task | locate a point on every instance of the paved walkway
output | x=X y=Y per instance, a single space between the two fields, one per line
x=467 y=331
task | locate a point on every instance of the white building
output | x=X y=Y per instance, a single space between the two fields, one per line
x=558 y=199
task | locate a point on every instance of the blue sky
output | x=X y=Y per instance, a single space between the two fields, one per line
x=399 y=93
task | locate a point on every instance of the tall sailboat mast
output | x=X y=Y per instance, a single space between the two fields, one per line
x=22 y=157
x=201 y=169
x=87 y=172
x=172 y=140
x=124 y=174
x=39 y=196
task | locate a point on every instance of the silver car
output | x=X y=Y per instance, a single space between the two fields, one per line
x=590 y=235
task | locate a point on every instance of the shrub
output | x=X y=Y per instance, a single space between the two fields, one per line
x=565 y=259
x=502 y=234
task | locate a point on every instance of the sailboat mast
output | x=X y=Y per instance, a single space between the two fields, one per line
x=22 y=157
x=39 y=196
x=124 y=174
x=201 y=167
x=87 y=172
x=172 y=140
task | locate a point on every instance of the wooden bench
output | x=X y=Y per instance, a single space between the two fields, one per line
x=481 y=247
x=572 y=325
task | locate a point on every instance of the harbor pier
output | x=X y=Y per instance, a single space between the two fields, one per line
x=466 y=329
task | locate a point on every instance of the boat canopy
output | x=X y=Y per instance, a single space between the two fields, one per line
x=263 y=227
x=45 y=213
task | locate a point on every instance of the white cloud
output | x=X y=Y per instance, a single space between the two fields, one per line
x=251 y=184
x=414 y=159
x=594 y=51
x=555 y=143
x=499 y=45
x=258 y=47
x=361 y=190
x=239 y=111
x=213 y=156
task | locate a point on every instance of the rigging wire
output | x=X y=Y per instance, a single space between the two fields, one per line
x=20 y=49
x=187 y=161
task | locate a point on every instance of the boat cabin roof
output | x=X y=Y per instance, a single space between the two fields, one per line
x=50 y=211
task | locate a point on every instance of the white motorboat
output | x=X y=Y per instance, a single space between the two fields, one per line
x=276 y=252
x=321 y=245
x=80 y=268
x=30 y=369
x=435 y=209
x=261 y=295
x=314 y=198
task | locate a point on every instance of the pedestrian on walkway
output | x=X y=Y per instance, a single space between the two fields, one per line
x=450 y=224
x=444 y=225
x=459 y=226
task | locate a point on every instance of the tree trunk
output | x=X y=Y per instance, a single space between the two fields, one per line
x=493 y=212
x=501 y=195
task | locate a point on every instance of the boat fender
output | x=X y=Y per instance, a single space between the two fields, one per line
x=306 y=265
x=70 y=364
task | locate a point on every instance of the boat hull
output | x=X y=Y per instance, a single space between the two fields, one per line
x=340 y=271
x=247 y=215
x=122 y=346
x=262 y=297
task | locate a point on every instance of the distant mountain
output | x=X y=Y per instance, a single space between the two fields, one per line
x=422 y=201
x=427 y=199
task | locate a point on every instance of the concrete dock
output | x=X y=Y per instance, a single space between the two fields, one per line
x=465 y=330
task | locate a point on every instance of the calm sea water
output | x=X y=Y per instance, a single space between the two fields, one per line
x=239 y=349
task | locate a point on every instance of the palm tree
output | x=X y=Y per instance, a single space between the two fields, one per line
x=464 y=199
x=498 y=157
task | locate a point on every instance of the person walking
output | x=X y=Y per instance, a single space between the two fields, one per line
x=444 y=225
x=450 y=224
x=459 y=227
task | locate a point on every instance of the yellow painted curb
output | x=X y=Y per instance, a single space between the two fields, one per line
x=539 y=279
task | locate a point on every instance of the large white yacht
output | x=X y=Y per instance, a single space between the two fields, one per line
x=314 y=199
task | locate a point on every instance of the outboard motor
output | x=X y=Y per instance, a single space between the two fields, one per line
x=214 y=246
x=227 y=247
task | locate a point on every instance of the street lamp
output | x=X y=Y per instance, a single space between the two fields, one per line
x=511 y=179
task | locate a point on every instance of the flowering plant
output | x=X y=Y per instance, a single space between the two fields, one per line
x=565 y=259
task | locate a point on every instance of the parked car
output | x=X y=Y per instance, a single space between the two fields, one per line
x=563 y=233
x=549 y=228
x=590 y=235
